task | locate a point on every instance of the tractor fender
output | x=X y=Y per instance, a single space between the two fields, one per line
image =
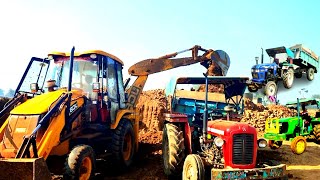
x=182 y=121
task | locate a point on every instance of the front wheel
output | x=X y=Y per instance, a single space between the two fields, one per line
x=271 y=88
x=80 y=163
x=193 y=168
x=123 y=143
x=298 y=145
x=310 y=74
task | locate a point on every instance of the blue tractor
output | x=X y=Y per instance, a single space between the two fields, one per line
x=285 y=65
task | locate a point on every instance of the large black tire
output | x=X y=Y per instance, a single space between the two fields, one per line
x=310 y=74
x=80 y=164
x=316 y=132
x=252 y=88
x=173 y=150
x=270 y=89
x=193 y=168
x=298 y=75
x=298 y=145
x=123 y=144
x=288 y=78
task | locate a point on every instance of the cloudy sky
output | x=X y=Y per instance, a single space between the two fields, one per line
x=141 y=29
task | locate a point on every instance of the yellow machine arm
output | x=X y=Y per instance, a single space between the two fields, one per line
x=150 y=66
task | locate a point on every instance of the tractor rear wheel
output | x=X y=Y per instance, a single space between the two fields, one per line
x=298 y=145
x=310 y=74
x=173 y=149
x=80 y=163
x=274 y=144
x=123 y=143
x=193 y=168
x=288 y=78
x=316 y=132
x=270 y=89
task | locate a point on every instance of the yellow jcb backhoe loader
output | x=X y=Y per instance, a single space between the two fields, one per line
x=75 y=105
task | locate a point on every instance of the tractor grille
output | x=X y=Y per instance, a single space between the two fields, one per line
x=242 y=152
x=255 y=75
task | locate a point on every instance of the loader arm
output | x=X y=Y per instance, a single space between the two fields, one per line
x=150 y=66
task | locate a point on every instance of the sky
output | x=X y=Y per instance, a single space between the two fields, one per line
x=141 y=29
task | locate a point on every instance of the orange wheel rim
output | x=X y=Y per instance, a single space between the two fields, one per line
x=127 y=147
x=85 y=169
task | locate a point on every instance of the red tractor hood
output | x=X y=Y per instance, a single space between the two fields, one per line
x=226 y=128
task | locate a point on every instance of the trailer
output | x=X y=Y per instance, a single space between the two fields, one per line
x=307 y=61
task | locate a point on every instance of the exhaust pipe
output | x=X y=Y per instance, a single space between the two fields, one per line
x=205 y=113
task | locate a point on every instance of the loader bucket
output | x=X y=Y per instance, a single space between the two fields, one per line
x=24 y=169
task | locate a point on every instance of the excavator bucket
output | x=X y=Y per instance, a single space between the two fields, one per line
x=24 y=169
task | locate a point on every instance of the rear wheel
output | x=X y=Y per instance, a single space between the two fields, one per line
x=274 y=144
x=172 y=149
x=270 y=89
x=80 y=163
x=123 y=143
x=316 y=132
x=193 y=168
x=298 y=145
x=310 y=74
x=288 y=78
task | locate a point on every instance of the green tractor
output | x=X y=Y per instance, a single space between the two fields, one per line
x=296 y=129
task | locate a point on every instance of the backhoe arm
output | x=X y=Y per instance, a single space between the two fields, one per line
x=150 y=66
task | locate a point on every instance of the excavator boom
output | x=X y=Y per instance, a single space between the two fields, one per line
x=146 y=67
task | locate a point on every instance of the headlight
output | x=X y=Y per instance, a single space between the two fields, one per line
x=218 y=142
x=252 y=70
x=257 y=70
x=262 y=143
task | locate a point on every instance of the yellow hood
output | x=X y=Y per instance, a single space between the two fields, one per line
x=38 y=104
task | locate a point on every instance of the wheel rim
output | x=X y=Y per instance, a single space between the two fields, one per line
x=85 y=169
x=311 y=74
x=127 y=147
x=190 y=173
x=271 y=89
x=300 y=147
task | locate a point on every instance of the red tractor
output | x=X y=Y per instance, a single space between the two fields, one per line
x=203 y=133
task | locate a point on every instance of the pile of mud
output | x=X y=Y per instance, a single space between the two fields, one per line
x=256 y=114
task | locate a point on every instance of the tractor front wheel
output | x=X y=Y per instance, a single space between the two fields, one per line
x=80 y=163
x=173 y=150
x=193 y=168
x=274 y=144
x=271 y=88
x=123 y=144
x=298 y=145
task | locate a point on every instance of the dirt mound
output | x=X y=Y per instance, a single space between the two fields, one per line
x=256 y=114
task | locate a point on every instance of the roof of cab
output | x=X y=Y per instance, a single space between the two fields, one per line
x=56 y=53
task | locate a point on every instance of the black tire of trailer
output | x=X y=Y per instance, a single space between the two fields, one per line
x=310 y=74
